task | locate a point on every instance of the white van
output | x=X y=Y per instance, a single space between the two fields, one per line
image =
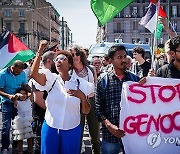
x=101 y=49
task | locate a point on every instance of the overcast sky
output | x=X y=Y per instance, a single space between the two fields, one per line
x=80 y=19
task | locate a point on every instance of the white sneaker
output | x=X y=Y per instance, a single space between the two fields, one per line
x=5 y=151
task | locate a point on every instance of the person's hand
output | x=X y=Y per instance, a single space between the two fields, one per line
x=77 y=93
x=13 y=97
x=114 y=130
x=19 y=95
x=42 y=46
x=151 y=73
x=163 y=21
x=142 y=81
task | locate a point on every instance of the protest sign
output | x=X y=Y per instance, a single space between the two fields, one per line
x=150 y=116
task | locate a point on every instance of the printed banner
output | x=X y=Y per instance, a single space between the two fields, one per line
x=150 y=116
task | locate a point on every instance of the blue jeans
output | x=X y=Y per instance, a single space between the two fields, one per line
x=8 y=113
x=112 y=148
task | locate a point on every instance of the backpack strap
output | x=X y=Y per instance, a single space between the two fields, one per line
x=52 y=85
x=92 y=70
x=132 y=76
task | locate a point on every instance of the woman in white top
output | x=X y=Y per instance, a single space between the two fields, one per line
x=87 y=72
x=61 y=130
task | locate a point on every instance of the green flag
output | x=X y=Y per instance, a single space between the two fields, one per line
x=159 y=29
x=105 y=10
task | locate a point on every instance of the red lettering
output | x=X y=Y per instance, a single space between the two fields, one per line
x=139 y=123
x=152 y=92
x=136 y=91
x=178 y=89
x=156 y=122
x=166 y=130
x=174 y=117
x=133 y=124
x=166 y=99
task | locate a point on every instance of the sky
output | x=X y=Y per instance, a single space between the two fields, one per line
x=80 y=19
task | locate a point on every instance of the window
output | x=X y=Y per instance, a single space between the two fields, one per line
x=22 y=28
x=8 y=26
x=174 y=11
x=118 y=15
x=174 y=25
x=119 y=26
x=8 y=13
x=21 y=13
x=134 y=25
x=23 y=39
x=147 y=40
x=135 y=9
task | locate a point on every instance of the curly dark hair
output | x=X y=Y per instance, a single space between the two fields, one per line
x=174 y=43
x=139 y=50
x=83 y=57
x=68 y=55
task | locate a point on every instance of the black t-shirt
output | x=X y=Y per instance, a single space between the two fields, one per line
x=142 y=70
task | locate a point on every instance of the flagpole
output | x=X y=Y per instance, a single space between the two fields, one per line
x=155 y=40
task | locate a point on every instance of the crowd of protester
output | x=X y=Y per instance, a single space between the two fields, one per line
x=65 y=88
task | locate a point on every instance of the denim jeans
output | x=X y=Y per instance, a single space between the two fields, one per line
x=112 y=148
x=8 y=113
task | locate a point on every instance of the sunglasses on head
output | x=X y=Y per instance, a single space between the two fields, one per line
x=77 y=54
x=62 y=58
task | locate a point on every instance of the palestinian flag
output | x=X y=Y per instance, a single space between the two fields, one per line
x=150 y=20
x=11 y=49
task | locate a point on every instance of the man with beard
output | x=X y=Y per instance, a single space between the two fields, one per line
x=107 y=100
x=47 y=67
x=172 y=70
x=11 y=79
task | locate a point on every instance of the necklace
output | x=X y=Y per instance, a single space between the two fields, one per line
x=82 y=73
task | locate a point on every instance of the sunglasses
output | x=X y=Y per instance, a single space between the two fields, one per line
x=63 y=58
x=77 y=54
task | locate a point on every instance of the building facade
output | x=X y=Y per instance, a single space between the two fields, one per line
x=31 y=21
x=125 y=26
